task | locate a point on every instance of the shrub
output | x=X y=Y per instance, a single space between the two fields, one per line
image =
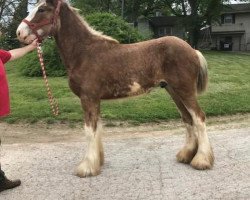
x=30 y=65
x=8 y=43
x=114 y=26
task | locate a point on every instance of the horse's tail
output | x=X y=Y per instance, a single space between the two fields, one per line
x=202 y=80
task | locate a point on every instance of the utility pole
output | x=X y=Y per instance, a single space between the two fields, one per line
x=122 y=9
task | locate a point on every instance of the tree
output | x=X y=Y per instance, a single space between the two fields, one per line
x=7 y=9
x=19 y=14
x=132 y=8
x=136 y=8
x=114 y=26
x=92 y=6
x=11 y=13
x=194 y=14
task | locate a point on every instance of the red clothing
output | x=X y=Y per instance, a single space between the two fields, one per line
x=4 y=89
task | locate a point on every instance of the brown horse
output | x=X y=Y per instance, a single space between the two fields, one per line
x=99 y=68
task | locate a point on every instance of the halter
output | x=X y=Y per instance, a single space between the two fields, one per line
x=35 y=26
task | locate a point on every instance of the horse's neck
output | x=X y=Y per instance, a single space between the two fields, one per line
x=72 y=36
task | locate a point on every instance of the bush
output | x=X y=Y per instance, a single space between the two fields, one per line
x=30 y=65
x=8 y=43
x=114 y=26
x=105 y=22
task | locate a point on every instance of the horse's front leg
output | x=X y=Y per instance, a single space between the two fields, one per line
x=94 y=157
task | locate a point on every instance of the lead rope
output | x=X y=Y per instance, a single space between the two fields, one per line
x=52 y=101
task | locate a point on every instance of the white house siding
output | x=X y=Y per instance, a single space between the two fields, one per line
x=144 y=28
x=239 y=31
x=245 y=19
x=236 y=43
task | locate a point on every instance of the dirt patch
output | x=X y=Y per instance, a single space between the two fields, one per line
x=44 y=133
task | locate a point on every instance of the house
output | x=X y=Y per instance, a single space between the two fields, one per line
x=233 y=31
x=160 y=26
x=167 y=25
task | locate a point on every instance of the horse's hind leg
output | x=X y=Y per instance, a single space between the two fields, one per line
x=189 y=150
x=94 y=156
x=204 y=157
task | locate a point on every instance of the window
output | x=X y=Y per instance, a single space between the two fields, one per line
x=163 y=31
x=228 y=19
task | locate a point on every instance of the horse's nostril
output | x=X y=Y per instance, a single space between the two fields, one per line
x=25 y=37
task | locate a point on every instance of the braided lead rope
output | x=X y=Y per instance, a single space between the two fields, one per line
x=52 y=101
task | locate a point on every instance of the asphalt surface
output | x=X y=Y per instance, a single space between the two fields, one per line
x=135 y=168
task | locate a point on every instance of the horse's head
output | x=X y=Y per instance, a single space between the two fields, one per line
x=40 y=22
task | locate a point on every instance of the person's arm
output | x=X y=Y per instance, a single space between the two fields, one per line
x=20 y=52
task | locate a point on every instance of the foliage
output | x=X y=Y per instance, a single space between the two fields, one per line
x=11 y=13
x=114 y=26
x=7 y=9
x=132 y=9
x=91 y=6
x=30 y=65
x=6 y=42
x=19 y=14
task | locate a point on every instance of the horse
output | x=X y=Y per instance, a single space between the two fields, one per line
x=101 y=68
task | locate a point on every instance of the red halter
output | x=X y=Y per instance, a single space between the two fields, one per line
x=35 y=26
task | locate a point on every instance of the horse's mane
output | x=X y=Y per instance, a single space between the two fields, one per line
x=99 y=34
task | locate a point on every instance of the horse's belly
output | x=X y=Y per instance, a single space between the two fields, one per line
x=134 y=89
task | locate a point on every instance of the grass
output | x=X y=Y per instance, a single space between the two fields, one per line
x=228 y=93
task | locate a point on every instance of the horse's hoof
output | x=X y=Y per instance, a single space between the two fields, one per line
x=86 y=168
x=185 y=155
x=203 y=161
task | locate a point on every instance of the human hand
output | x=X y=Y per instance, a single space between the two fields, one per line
x=20 y=52
x=33 y=45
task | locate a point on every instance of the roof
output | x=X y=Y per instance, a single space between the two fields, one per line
x=237 y=8
x=164 y=21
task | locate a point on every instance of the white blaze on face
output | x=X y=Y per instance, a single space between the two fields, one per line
x=24 y=29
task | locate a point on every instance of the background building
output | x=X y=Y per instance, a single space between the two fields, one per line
x=233 y=31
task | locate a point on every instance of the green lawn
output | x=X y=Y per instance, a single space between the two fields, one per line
x=228 y=93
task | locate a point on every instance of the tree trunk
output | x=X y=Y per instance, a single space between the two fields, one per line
x=194 y=23
x=194 y=37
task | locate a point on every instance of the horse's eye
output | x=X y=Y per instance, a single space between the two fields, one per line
x=41 y=10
